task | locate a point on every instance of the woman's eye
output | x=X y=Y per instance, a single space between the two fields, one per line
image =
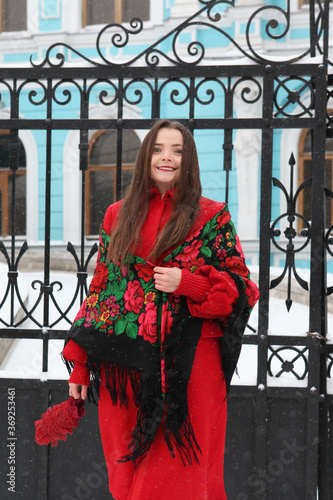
x=156 y=150
x=179 y=151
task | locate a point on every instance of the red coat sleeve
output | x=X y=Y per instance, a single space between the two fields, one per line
x=73 y=352
x=194 y=286
x=218 y=292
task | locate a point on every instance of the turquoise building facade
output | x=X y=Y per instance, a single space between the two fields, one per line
x=67 y=21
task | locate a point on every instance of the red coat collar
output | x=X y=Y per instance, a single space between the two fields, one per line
x=154 y=191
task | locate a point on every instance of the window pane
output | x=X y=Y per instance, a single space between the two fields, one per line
x=126 y=177
x=102 y=181
x=135 y=8
x=100 y=11
x=6 y=189
x=20 y=204
x=14 y=15
x=131 y=146
x=100 y=197
x=329 y=145
x=104 y=150
x=5 y=140
x=307 y=194
x=307 y=143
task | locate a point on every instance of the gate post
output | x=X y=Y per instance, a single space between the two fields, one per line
x=318 y=307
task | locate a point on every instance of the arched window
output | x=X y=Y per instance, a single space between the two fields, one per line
x=101 y=175
x=6 y=179
x=113 y=11
x=13 y=15
x=305 y=155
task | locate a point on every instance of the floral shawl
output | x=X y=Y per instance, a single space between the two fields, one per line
x=149 y=337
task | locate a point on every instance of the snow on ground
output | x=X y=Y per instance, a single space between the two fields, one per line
x=24 y=358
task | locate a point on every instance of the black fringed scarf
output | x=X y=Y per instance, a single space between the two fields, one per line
x=149 y=338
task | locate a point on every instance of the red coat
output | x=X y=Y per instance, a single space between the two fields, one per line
x=159 y=475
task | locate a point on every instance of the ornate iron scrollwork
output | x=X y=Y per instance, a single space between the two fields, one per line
x=12 y=291
x=277 y=26
x=290 y=232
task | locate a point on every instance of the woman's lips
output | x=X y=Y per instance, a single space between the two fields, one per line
x=165 y=167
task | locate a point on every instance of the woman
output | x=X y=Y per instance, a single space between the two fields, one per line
x=160 y=330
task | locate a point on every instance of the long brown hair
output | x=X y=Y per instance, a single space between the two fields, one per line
x=125 y=232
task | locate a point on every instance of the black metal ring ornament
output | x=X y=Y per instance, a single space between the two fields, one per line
x=287 y=366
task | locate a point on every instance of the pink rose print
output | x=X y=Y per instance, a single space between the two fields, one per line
x=190 y=252
x=166 y=319
x=223 y=219
x=134 y=297
x=194 y=264
x=100 y=277
x=148 y=323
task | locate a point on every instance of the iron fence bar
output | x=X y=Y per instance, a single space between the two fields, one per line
x=318 y=310
x=119 y=128
x=228 y=145
x=83 y=166
x=12 y=275
x=45 y=287
x=264 y=266
x=160 y=72
x=14 y=113
x=155 y=104
x=312 y=24
x=191 y=91
x=145 y=124
x=318 y=424
x=325 y=433
x=326 y=24
x=12 y=268
x=250 y=392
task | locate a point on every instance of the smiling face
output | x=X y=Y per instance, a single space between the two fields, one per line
x=166 y=158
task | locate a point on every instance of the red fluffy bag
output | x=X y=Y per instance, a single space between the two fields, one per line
x=58 y=421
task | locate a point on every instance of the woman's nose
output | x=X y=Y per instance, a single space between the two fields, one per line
x=166 y=156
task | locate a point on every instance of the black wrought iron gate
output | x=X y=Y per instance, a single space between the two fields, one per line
x=279 y=443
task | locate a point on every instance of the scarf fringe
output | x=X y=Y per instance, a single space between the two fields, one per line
x=149 y=418
x=183 y=440
x=178 y=352
x=117 y=378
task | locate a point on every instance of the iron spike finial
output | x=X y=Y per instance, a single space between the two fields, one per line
x=292 y=160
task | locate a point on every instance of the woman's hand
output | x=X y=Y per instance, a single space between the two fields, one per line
x=167 y=279
x=78 y=391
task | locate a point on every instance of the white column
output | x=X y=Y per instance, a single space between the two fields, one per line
x=71 y=16
x=185 y=8
x=33 y=16
x=247 y=148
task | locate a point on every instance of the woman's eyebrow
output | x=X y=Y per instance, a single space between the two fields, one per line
x=172 y=145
